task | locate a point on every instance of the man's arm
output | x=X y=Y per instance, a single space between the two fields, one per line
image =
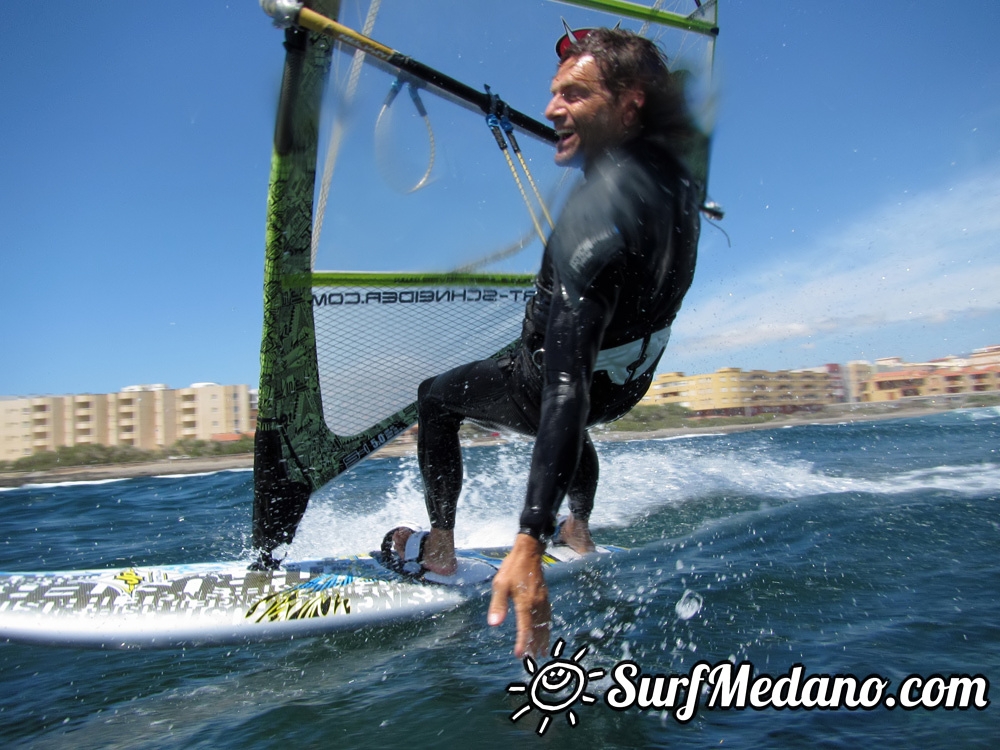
x=572 y=340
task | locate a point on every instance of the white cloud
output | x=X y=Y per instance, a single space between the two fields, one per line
x=929 y=258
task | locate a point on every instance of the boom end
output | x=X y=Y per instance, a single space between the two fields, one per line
x=284 y=13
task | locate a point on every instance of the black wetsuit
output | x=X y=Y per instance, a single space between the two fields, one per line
x=613 y=276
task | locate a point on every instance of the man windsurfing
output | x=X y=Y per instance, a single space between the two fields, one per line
x=613 y=275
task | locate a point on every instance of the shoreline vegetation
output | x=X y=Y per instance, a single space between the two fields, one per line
x=103 y=463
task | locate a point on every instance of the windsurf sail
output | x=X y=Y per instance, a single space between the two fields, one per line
x=437 y=189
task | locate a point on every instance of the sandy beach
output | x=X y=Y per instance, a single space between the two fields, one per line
x=407 y=446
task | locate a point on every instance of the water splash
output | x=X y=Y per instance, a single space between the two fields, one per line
x=638 y=480
x=688 y=605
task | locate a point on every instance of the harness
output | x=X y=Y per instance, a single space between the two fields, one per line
x=626 y=362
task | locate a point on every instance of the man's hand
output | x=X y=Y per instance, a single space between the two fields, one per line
x=520 y=578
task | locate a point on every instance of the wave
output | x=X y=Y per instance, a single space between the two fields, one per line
x=202 y=473
x=638 y=479
x=51 y=485
x=112 y=480
x=653 y=477
x=979 y=414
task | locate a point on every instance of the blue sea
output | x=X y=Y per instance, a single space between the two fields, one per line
x=866 y=549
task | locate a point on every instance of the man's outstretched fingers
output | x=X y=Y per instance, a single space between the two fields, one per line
x=497 y=612
x=533 y=623
x=520 y=580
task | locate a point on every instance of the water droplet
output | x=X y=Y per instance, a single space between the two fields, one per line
x=689 y=605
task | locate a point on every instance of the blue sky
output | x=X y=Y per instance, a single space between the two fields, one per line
x=857 y=153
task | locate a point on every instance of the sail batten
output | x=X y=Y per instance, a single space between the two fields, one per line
x=693 y=22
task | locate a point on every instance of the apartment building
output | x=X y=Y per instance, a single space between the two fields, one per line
x=856 y=377
x=207 y=410
x=732 y=391
x=149 y=417
x=28 y=425
x=930 y=382
x=988 y=355
x=892 y=378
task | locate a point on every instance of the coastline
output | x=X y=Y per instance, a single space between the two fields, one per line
x=404 y=447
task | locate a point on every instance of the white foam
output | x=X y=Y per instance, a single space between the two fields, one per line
x=637 y=479
x=979 y=414
x=690 y=436
x=487 y=510
x=180 y=475
x=87 y=482
x=50 y=485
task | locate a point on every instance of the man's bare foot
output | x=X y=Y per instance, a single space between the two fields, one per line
x=439 y=550
x=576 y=535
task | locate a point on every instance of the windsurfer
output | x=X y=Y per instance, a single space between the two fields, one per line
x=614 y=272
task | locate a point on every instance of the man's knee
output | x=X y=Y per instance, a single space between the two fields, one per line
x=427 y=405
x=424 y=389
x=433 y=411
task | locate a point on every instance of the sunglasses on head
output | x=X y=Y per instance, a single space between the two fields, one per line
x=571 y=37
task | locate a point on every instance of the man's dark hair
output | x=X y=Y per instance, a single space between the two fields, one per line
x=627 y=62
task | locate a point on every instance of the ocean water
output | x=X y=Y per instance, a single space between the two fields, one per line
x=865 y=549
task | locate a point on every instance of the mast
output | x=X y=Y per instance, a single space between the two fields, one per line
x=289 y=385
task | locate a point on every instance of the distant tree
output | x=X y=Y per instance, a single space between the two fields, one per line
x=102 y=455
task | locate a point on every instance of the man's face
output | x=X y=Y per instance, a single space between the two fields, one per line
x=585 y=115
